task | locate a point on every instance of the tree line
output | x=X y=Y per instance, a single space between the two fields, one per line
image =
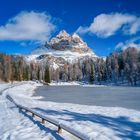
x=119 y=68
x=15 y=68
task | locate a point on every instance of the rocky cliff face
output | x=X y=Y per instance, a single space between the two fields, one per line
x=63 y=41
x=65 y=46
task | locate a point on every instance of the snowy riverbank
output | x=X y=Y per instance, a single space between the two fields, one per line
x=75 y=83
x=99 y=123
x=95 y=84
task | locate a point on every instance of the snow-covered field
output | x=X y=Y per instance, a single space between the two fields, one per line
x=99 y=123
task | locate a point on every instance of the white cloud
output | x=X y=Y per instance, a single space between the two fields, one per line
x=28 y=26
x=105 y=25
x=134 y=42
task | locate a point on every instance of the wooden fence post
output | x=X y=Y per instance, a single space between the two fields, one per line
x=59 y=129
x=33 y=114
x=43 y=121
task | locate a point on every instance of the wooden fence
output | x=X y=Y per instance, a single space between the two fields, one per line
x=55 y=122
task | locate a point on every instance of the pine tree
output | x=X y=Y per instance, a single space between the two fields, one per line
x=91 y=78
x=15 y=71
x=47 y=75
x=38 y=73
x=25 y=73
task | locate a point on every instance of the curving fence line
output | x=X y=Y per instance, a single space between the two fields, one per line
x=53 y=121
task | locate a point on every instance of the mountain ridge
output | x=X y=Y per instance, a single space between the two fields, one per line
x=65 y=46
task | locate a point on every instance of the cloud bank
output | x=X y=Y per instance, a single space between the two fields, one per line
x=134 y=42
x=106 y=25
x=32 y=25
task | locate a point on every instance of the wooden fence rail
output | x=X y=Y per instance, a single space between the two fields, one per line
x=55 y=122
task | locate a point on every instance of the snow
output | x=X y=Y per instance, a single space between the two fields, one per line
x=15 y=126
x=3 y=86
x=99 y=123
x=67 y=55
x=93 y=85
x=74 y=83
x=62 y=34
x=31 y=57
x=76 y=36
x=55 y=66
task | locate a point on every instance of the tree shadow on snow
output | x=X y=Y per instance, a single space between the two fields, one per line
x=123 y=126
x=42 y=127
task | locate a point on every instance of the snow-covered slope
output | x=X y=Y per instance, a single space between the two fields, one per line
x=96 y=122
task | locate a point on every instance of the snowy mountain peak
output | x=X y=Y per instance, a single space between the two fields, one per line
x=64 y=41
x=75 y=35
x=77 y=39
x=64 y=46
x=63 y=34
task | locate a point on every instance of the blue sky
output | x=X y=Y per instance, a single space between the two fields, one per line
x=103 y=24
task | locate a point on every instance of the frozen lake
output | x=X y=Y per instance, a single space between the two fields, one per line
x=128 y=97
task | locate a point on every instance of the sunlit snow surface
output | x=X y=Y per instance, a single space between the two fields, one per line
x=67 y=55
x=99 y=123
